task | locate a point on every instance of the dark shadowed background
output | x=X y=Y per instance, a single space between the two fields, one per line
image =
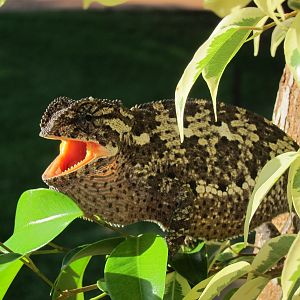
x=134 y=55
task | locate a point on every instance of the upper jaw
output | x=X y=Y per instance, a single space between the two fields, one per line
x=74 y=154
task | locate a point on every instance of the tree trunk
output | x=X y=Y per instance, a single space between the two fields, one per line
x=286 y=115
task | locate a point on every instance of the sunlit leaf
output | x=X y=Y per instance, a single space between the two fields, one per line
x=251 y=289
x=223 y=8
x=268 y=176
x=71 y=278
x=256 y=39
x=2 y=2
x=271 y=252
x=290 y=277
x=176 y=287
x=213 y=56
x=102 y=247
x=198 y=289
x=41 y=216
x=87 y=3
x=269 y=7
x=278 y=34
x=292 y=48
x=137 y=267
x=7 y=274
x=223 y=278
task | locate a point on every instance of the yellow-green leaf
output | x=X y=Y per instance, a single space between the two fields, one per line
x=292 y=48
x=268 y=176
x=294 y=4
x=223 y=8
x=251 y=289
x=256 y=39
x=279 y=34
x=214 y=55
x=271 y=252
x=87 y=3
x=223 y=278
x=294 y=186
x=197 y=290
x=269 y=7
x=2 y=2
x=176 y=287
x=291 y=270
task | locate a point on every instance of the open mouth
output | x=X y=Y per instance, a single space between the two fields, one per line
x=72 y=156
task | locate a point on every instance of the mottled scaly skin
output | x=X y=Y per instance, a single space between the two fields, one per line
x=196 y=189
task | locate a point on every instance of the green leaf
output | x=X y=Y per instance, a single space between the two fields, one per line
x=294 y=186
x=256 y=39
x=223 y=8
x=271 y=252
x=71 y=278
x=176 y=287
x=9 y=257
x=137 y=267
x=278 y=34
x=292 y=49
x=223 y=278
x=231 y=252
x=268 y=176
x=2 y=2
x=291 y=270
x=251 y=289
x=193 y=266
x=102 y=247
x=87 y=3
x=213 y=56
x=7 y=274
x=41 y=216
x=198 y=289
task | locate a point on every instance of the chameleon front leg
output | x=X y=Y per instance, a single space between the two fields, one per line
x=180 y=220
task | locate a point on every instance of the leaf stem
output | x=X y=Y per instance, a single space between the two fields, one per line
x=43 y=252
x=37 y=271
x=270 y=25
x=5 y=248
x=99 y=296
x=68 y=293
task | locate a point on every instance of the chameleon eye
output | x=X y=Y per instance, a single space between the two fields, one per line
x=88 y=118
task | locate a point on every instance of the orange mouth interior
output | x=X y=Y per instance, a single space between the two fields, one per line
x=73 y=155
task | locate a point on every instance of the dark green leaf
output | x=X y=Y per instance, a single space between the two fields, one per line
x=103 y=247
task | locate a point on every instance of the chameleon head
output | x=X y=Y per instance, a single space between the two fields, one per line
x=90 y=131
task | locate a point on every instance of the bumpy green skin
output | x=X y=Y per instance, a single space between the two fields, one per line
x=198 y=189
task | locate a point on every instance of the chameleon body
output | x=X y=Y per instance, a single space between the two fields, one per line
x=198 y=189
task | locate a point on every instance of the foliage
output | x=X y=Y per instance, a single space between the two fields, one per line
x=136 y=264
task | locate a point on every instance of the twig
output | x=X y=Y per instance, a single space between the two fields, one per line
x=58 y=247
x=68 y=293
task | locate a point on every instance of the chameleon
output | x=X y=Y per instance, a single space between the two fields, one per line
x=128 y=164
